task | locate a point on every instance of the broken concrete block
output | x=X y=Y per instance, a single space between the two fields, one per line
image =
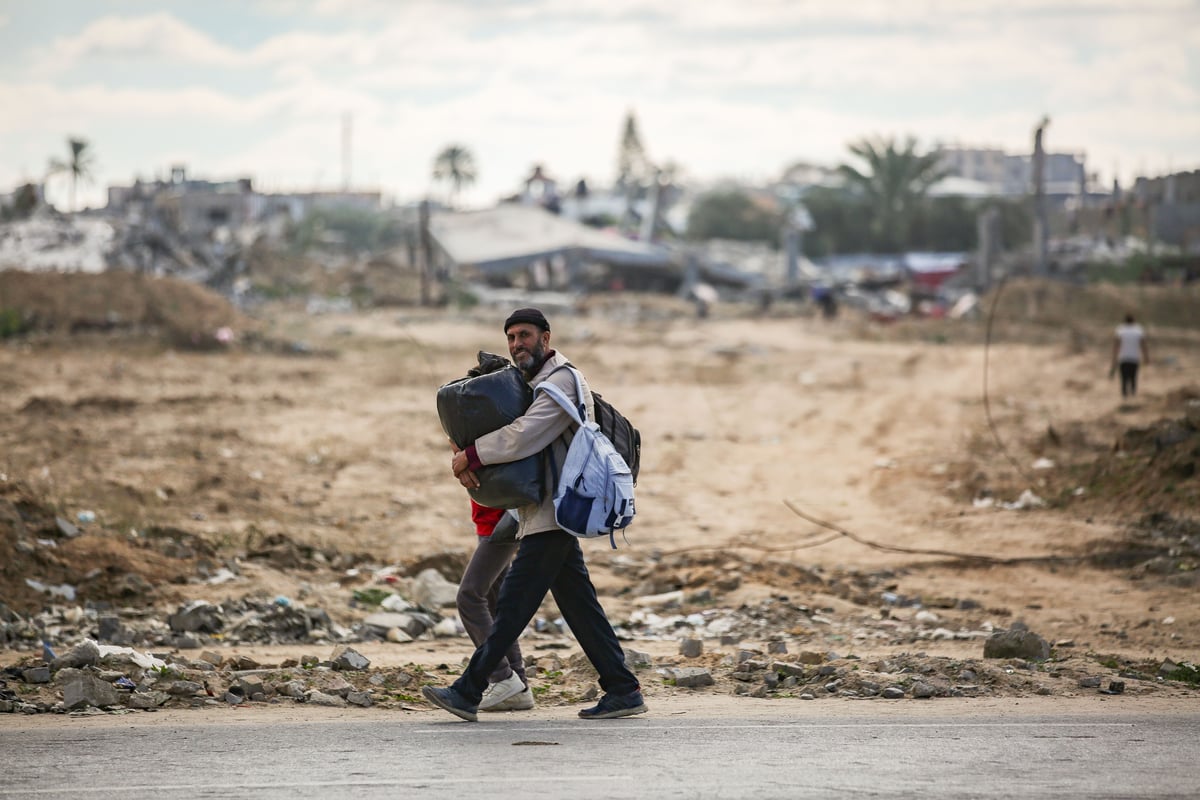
x=84 y=654
x=690 y=677
x=349 y=659
x=82 y=689
x=1018 y=642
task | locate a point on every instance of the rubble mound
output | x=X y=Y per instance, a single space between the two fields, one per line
x=1103 y=466
x=181 y=313
x=51 y=558
x=1150 y=466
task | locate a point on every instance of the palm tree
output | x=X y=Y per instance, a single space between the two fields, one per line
x=79 y=167
x=896 y=181
x=456 y=166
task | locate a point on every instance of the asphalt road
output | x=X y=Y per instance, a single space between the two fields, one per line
x=764 y=756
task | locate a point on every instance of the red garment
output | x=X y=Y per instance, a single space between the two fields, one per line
x=485 y=518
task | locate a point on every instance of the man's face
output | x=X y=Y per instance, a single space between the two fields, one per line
x=527 y=345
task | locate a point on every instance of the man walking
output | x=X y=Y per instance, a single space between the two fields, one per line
x=548 y=558
x=1128 y=352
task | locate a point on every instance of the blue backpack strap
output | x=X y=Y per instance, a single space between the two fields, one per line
x=560 y=396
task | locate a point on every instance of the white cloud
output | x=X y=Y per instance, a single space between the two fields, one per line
x=42 y=106
x=721 y=87
x=158 y=36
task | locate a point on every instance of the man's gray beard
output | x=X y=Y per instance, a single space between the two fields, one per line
x=537 y=357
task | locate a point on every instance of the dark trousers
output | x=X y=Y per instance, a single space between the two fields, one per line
x=549 y=562
x=1129 y=371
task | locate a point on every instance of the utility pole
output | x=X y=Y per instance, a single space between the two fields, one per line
x=1041 y=230
x=425 y=243
x=988 y=226
x=346 y=127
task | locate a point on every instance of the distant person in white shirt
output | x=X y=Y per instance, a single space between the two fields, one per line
x=1128 y=352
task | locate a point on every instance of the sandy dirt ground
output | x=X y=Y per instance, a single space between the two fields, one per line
x=327 y=455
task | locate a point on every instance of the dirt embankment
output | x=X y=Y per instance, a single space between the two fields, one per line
x=142 y=456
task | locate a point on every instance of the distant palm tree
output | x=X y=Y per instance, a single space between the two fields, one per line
x=79 y=167
x=456 y=166
x=896 y=181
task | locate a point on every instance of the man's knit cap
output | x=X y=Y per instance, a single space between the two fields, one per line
x=530 y=315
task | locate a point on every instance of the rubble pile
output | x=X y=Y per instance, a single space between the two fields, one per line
x=1096 y=467
x=119 y=658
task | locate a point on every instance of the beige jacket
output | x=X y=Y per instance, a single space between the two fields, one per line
x=544 y=424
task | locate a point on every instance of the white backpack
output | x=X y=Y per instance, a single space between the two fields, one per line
x=594 y=494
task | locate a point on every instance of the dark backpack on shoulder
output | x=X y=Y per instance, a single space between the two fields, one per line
x=620 y=431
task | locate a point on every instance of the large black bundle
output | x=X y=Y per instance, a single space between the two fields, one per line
x=472 y=406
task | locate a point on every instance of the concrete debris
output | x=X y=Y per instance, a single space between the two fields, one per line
x=84 y=654
x=1018 y=642
x=346 y=658
x=319 y=698
x=688 y=677
x=431 y=591
x=188 y=658
x=83 y=689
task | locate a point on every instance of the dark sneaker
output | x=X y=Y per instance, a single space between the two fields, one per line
x=612 y=706
x=451 y=701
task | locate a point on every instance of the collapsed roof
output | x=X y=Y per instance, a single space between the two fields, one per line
x=511 y=236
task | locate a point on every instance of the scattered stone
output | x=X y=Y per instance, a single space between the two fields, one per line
x=319 y=698
x=37 y=674
x=777 y=648
x=785 y=668
x=448 y=628
x=1017 y=642
x=923 y=690
x=294 y=689
x=146 y=700
x=241 y=662
x=362 y=699
x=199 y=616
x=347 y=658
x=691 y=648
x=431 y=591
x=1090 y=682
x=84 y=654
x=1114 y=687
x=82 y=689
x=809 y=657
x=689 y=677
x=636 y=659
x=385 y=621
x=183 y=688
x=109 y=629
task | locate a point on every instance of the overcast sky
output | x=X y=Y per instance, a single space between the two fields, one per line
x=737 y=88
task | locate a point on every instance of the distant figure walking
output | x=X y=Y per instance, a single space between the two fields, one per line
x=1129 y=351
